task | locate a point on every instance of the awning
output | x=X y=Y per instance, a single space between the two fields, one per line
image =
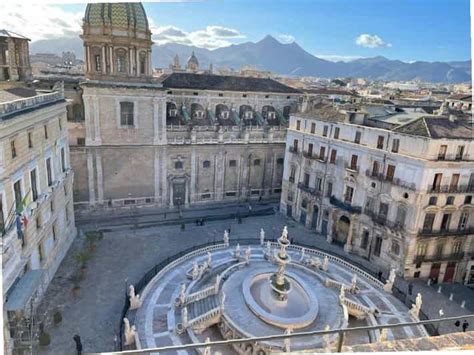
x=24 y=290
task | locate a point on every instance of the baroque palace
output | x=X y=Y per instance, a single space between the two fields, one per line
x=184 y=138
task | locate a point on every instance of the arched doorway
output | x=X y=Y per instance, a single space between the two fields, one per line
x=342 y=230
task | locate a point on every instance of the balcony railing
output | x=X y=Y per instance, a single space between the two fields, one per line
x=293 y=150
x=457 y=231
x=345 y=206
x=450 y=188
x=11 y=107
x=438 y=257
x=311 y=190
x=351 y=168
x=383 y=221
x=393 y=181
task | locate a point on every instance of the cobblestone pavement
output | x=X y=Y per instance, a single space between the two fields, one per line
x=124 y=255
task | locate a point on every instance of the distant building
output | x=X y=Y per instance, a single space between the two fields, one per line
x=399 y=195
x=192 y=64
x=14 y=57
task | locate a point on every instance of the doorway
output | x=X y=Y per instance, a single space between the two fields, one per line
x=449 y=274
x=179 y=193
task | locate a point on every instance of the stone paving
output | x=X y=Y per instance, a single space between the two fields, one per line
x=124 y=255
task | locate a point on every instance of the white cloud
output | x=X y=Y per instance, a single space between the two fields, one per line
x=371 y=41
x=338 y=58
x=286 y=38
x=211 y=37
x=40 y=21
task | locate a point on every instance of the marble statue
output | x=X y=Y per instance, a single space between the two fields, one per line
x=195 y=271
x=135 y=301
x=415 y=309
x=325 y=263
x=237 y=251
x=217 y=283
x=207 y=349
x=262 y=236
x=226 y=238
x=354 y=283
x=390 y=281
x=129 y=332
x=182 y=293
x=209 y=259
x=248 y=252
x=287 y=341
x=342 y=295
x=284 y=234
x=303 y=254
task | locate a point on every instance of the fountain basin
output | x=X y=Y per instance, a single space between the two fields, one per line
x=299 y=309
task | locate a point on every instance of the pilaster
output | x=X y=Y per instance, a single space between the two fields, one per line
x=90 y=176
x=100 y=179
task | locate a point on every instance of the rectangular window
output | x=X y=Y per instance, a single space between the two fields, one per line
x=298 y=125
x=18 y=193
x=38 y=222
x=2 y=217
x=468 y=200
x=329 y=190
x=63 y=160
x=126 y=114
x=306 y=180
x=401 y=216
x=463 y=220
x=66 y=214
x=460 y=152
x=380 y=140
x=51 y=206
x=450 y=200
x=395 y=145
x=349 y=194
x=310 y=149
x=49 y=172
x=30 y=140
x=375 y=168
x=40 y=252
x=428 y=222
x=383 y=212
x=325 y=131
x=421 y=249
x=81 y=141
x=322 y=153
x=390 y=172
x=292 y=174
x=336 y=133
x=45 y=131
x=433 y=201
x=60 y=124
x=365 y=239
x=353 y=165
x=232 y=163
x=378 y=246
x=442 y=152
x=53 y=230
x=333 y=156
x=256 y=162
x=319 y=182
x=313 y=127
x=295 y=145
x=445 y=221
x=357 y=137
x=453 y=185
x=34 y=189
x=437 y=182
x=13 y=148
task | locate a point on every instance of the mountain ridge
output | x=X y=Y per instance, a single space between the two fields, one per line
x=287 y=59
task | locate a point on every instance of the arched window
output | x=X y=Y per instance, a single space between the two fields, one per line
x=121 y=60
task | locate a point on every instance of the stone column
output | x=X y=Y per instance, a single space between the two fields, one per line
x=88 y=109
x=90 y=175
x=111 y=59
x=192 y=190
x=96 y=140
x=100 y=179
x=87 y=56
x=104 y=61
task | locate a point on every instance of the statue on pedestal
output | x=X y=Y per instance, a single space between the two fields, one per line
x=354 y=283
x=416 y=307
x=303 y=254
x=248 y=252
x=135 y=301
x=209 y=259
x=325 y=263
x=226 y=238
x=262 y=236
x=129 y=332
x=390 y=281
x=237 y=251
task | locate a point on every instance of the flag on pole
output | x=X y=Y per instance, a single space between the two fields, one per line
x=21 y=216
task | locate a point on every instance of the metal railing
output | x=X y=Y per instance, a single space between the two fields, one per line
x=437 y=257
x=433 y=233
x=345 y=206
x=390 y=180
x=450 y=188
x=341 y=333
x=383 y=221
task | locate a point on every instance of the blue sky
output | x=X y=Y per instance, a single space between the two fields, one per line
x=404 y=29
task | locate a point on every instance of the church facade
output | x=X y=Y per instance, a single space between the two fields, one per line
x=181 y=139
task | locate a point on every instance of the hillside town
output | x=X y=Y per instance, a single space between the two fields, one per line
x=204 y=195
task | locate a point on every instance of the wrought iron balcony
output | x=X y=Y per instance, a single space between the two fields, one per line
x=434 y=233
x=383 y=221
x=309 y=155
x=311 y=190
x=450 y=189
x=351 y=168
x=438 y=257
x=293 y=150
x=393 y=181
x=345 y=206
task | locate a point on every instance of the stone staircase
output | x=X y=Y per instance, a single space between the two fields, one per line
x=198 y=308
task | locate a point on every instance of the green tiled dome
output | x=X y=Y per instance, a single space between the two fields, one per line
x=120 y=15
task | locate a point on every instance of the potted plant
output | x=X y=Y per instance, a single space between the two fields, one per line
x=92 y=238
x=82 y=259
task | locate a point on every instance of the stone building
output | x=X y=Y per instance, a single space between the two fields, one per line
x=395 y=191
x=193 y=138
x=36 y=205
x=14 y=58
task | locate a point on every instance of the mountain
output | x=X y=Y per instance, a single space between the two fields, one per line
x=287 y=59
